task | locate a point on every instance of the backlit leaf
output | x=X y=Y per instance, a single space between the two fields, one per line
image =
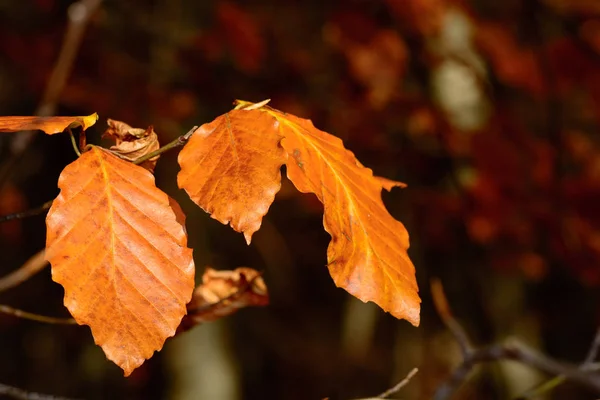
x=116 y=246
x=367 y=255
x=50 y=125
x=231 y=168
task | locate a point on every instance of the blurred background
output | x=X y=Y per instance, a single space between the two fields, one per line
x=488 y=110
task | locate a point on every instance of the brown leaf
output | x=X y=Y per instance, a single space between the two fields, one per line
x=231 y=168
x=222 y=293
x=133 y=143
x=367 y=255
x=116 y=247
x=49 y=125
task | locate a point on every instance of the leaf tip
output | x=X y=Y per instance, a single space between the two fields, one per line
x=248 y=237
x=389 y=184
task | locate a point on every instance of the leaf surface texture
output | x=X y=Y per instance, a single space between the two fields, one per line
x=117 y=248
x=231 y=168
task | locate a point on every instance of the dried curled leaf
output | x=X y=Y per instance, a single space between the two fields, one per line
x=231 y=168
x=49 y=125
x=117 y=247
x=367 y=255
x=222 y=293
x=133 y=143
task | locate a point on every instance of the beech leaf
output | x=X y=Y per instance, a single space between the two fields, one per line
x=116 y=246
x=367 y=255
x=49 y=125
x=222 y=293
x=231 y=168
x=133 y=143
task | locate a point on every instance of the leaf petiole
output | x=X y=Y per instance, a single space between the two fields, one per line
x=73 y=142
x=180 y=141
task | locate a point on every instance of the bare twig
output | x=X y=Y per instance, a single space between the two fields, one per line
x=180 y=141
x=21 y=394
x=34 y=265
x=79 y=15
x=28 y=213
x=399 y=385
x=546 y=386
x=510 y=350
x=443 y=309
x=35 y=317
x=592 y=354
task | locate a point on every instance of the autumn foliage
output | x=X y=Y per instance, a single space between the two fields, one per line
x=118 y=244
x=488 y=110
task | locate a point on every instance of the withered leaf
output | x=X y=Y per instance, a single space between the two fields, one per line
x=222 y=293
x=133 y=143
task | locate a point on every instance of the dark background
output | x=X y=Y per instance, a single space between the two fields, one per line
x=488 y=110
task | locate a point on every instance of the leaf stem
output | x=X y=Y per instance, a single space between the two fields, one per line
x=74 y=143
x=180 y=141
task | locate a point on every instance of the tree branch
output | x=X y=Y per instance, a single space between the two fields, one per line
x=28 y=213
x=34 y=265
x=21 y=394
x=510 y=350
x=35 y=317
x=399 y=385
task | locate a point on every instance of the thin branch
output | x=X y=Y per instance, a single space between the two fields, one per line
x=79 y=15
x=592 y=354
x=29 y=213
x=443 y=309
x=551 y=384
x=21 y=394
x=35 y=317
x=399 y=385
x=180 y=141
x=510 y=350
x=34 y=265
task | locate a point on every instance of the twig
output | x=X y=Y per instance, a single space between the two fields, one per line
x=593 y=351
x=28 y=213
x=21 y=394
x=511 y=350
x=34 y=265
x=35 y=317
x=547 y=386
x=79 y=15
x=443 y=309
x=399 y=385
x=180 y=141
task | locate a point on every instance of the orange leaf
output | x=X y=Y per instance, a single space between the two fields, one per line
x=231 y=168
x=133 y=143
x=50 y=125
x=367 y=255
x=117 y=248
x=222 y=293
